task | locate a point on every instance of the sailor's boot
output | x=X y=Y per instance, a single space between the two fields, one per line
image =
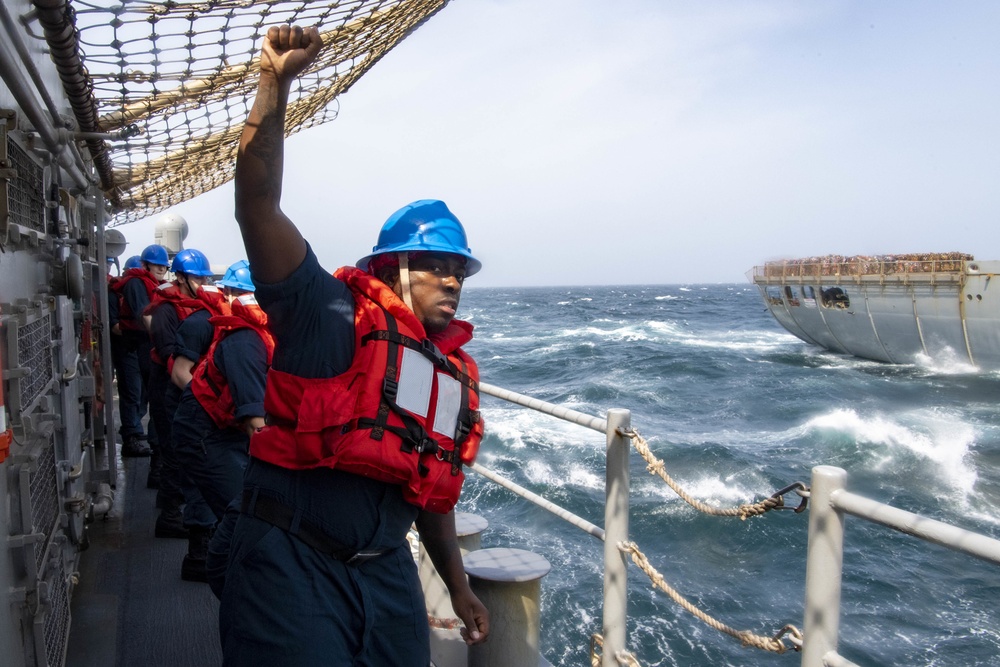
x=134 y=447
x=153 y=478
x=170 y=523
x=193 y=567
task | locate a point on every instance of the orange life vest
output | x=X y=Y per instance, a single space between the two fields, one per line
x=406 y=412
x=208 y=297
x=208 y=384
x=126 y=318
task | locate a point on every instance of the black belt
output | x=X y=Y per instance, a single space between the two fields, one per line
x=282 y=516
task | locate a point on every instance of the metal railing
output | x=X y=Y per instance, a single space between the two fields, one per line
x=616 y=507
x=830 y=502
x=839 y=269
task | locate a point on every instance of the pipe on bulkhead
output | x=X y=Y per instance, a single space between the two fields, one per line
x=55 y=139
x=29 y=65
x=56 y=19
x=103 y=500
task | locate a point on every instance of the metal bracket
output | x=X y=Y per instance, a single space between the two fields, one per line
x=8 y=121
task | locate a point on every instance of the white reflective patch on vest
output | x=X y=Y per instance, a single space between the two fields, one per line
x=3 y=419
x=416 y=377
x=449 y=404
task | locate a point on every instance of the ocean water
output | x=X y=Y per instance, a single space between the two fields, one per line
x=737 y=408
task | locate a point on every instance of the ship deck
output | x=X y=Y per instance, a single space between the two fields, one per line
x=131 y=606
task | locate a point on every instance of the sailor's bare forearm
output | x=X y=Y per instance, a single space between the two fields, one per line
x=274 y=246
x=261 y=154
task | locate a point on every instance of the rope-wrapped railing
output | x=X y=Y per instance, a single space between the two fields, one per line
x=657 y=467
x=775 y=643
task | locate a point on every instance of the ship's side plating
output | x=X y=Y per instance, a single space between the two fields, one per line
x=898 y=312
x=53 y=345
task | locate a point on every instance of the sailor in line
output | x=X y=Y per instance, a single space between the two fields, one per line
x=372 y=409
x=220 y=407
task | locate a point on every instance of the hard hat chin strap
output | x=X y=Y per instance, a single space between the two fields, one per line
x=404 y=279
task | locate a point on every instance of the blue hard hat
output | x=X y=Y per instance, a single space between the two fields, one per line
x=155 y=254
x=423 y=226
x=238 y=276
x=192 y=262
x=133 y=262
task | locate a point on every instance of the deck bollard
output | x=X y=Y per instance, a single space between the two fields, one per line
x=509 y=583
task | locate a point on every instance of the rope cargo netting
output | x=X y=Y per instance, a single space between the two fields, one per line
x=172 y=83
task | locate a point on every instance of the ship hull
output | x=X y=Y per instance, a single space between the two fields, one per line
x=937 y=311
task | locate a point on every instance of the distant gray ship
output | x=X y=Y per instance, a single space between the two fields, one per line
x=935 y=308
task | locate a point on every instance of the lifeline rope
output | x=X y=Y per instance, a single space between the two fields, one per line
x=656 y=467
x=747 y=638
x=444 y=623
x=623 y=658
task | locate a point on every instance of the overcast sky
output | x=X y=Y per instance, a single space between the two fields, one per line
x=634 y=142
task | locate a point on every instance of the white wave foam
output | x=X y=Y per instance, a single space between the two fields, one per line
x=668 y=297
x=742 y=341
x=750 y=340
x=574 y=475
x=834 y=361
x=989 y=516
x=665 y=327
x=628 y=334
x=511 y=425
x=939 y=438
x=946 y=362
x=657 y=331
x=716 y=491
x=556 y=348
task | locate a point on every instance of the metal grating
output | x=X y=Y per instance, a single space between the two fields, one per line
x=57 y=617
x=25 y=196
x=35 y=353
x=44 y=500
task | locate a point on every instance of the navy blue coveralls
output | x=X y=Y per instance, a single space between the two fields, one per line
x=191 y=341
x=214 y=459
x=285 y=602
x=130 y=356
x=163 y=398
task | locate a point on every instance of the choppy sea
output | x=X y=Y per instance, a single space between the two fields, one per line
x=737 y=408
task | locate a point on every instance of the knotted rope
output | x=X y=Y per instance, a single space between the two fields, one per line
x=657 y=467
x=747 y=638
x=623 y=658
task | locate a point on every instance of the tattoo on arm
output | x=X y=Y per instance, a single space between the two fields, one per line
x=267 y=146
